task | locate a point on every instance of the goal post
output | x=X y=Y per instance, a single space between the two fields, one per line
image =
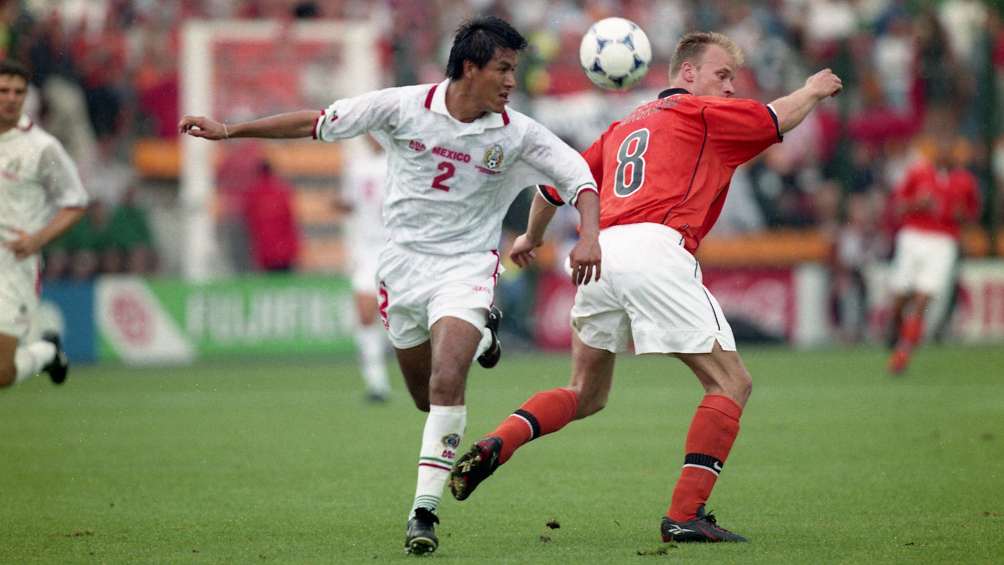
x=238 y=70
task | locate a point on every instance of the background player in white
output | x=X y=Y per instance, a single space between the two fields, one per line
x=457 y=158
x=40 y=198
x=362 y=197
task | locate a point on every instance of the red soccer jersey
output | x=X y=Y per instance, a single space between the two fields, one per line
x=670 y=162
x=952 y=194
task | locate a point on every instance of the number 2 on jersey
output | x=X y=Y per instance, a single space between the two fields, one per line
x=630 y=174
x=448 y=170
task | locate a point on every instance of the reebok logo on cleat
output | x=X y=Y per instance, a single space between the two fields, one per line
x=674 y=529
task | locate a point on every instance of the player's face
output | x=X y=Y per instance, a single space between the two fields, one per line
x=715 y=73
x=13 y=90
x=493 y=83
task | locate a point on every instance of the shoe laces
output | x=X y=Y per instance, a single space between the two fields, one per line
x=710 y=518
x=426 y=515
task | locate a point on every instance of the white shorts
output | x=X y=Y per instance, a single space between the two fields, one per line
x=924 y=262
x=417 y=289
x=18 y=297
x=364 y=271
x=650 y=292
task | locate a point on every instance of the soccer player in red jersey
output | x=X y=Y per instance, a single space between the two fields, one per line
x=664 y=172
x=933 y=200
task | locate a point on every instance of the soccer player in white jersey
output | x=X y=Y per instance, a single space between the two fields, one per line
x=457 y=158
x=362 y=198
x=40 y=198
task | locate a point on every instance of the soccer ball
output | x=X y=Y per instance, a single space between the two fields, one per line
x=615 y=53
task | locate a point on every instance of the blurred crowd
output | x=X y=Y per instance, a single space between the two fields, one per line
x=914 y=71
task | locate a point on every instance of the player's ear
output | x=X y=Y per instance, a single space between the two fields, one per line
x=469 y=68
x=689 y=71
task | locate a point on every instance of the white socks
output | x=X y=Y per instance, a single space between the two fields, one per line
x=30 y=359
x=371 y=343
x=444 y=430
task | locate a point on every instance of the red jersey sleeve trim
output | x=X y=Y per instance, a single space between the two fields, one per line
x=550 y=194
x=428 y=97
x=316 y=134
x=777 y=124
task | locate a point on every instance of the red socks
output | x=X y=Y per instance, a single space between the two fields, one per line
x=709 y=440
x=912 y=331
x=543 y=413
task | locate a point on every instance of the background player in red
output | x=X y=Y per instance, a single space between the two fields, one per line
x=664 y=172
x=935 y=197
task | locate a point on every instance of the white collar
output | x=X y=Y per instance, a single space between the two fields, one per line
x=438 y=104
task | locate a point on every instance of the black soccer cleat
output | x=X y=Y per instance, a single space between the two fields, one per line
x=491 y=356
x=59 y=367
x=475 y=466
x=702 y=529
x=420 y=537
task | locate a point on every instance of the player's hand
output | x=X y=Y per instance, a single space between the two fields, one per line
x=824 y=83
x=523 y=251
x=201 y=126
x=24 y=246
x=584 y=261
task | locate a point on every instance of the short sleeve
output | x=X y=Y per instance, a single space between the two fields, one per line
x=741 y=129
x=547 y=153
x=350 y=117
x=60 y=178
x=594 y=155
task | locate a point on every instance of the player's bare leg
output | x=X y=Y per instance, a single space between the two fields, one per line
x=896 y=319
x=453 y=344
x=20 y=363
x=8 y=372
x=543 y=413
x=370 y=340
x=416 y=368
x=911 y=331
x=727 y=386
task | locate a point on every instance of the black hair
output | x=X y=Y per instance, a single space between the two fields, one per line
x=12 y=67
x=476 y=41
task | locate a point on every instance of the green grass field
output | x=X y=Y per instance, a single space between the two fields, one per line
x=276 y=462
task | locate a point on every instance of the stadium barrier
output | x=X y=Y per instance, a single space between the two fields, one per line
x=138 y=321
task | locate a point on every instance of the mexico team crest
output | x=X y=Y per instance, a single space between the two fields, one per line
x=493 y=157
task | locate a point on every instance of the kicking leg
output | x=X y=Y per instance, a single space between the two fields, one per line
x=543 y=413
x=727 y=385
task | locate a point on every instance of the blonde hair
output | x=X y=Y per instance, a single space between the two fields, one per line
x=692 y=45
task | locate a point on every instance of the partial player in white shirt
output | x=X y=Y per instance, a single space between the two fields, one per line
x=362 y=198
x=40 y=198
x=457 y=158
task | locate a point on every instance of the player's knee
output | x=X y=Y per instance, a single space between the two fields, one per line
x=446 y=390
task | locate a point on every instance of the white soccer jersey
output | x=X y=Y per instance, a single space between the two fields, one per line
x=450 y=183
x=37 y=178
x=366 y=173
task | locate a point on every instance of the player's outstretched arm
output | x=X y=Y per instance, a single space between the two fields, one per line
x=523 y=250
x=280 y=126
x=793 y=108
